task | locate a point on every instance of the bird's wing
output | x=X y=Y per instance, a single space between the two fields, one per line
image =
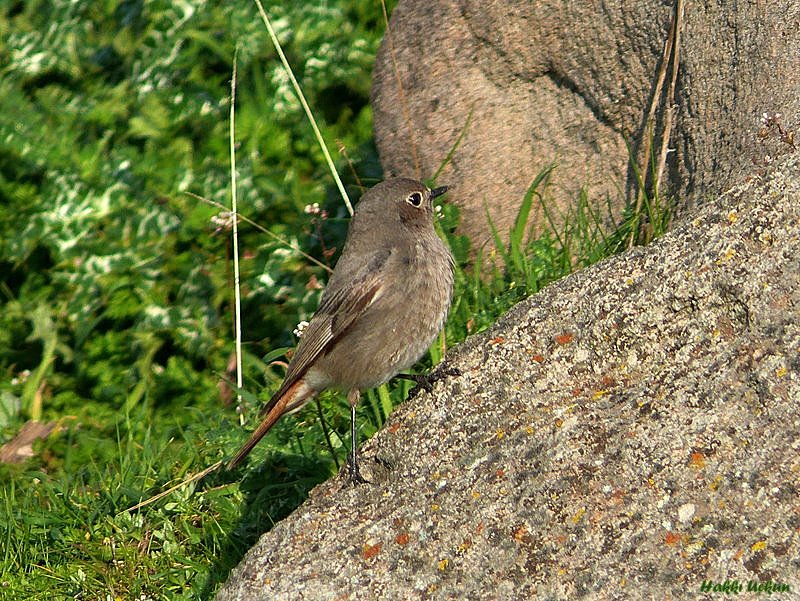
x=342 y=304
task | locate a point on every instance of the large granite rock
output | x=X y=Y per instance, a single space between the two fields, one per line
x=632 y=431
x=532 y=82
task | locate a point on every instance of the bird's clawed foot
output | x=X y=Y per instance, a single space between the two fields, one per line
x=426 y=381
x=355 y=473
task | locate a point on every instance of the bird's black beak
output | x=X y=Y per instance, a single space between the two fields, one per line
x=438 y=191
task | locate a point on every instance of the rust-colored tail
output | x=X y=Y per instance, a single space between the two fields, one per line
x=294 y=396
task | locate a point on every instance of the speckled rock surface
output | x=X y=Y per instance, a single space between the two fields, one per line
x=633 y=431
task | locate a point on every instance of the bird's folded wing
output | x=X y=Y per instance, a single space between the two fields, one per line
x=341 y=305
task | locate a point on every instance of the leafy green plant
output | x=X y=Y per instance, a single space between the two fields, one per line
x=115 y=317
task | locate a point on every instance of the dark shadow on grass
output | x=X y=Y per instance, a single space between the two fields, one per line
x=272 y=490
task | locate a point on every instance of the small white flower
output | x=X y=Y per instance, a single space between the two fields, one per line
x=21 y=378
x=223 y=220
x=298 y=331
x=312 y=209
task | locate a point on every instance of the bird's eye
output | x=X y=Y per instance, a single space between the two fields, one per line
x=414 y=199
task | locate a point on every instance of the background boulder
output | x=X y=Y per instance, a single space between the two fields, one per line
x=535 y=82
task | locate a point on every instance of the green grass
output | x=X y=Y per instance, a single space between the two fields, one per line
x=116 y=291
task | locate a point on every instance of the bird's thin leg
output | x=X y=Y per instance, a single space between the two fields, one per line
x=355 y=475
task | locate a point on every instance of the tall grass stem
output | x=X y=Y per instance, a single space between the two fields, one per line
x=237 y=304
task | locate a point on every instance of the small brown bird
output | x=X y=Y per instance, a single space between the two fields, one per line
x=385 y=302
